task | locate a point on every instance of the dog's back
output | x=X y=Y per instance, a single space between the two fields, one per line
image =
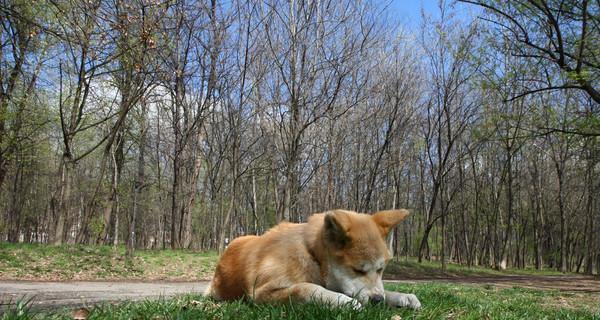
x=229 y=281
x=277 y=258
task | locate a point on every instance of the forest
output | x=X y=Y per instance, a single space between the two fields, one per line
x=185 y=123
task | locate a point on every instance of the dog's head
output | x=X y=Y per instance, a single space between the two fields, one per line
x=358 y=251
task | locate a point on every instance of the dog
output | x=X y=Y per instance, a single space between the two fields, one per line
x=336 y=258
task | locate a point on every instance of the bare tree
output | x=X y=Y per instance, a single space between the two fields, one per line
x=313 y=60
x=448 y=113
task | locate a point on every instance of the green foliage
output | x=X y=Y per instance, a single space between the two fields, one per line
x=584 y=75
x=270 y=216
x=96 y=225
x=21 y=311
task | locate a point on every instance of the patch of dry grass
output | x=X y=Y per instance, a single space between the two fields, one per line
x=40 y=262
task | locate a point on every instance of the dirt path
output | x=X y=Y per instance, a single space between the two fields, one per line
x=579 y=283
x=52 y=295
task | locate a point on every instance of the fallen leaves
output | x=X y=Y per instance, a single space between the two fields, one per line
x=80 y=314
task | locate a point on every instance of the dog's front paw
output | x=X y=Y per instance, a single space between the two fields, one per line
x=412 y=301
x=353 y=303
x=403 y=300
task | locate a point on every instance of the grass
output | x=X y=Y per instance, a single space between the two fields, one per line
x=440 y=301
x=410 y=268
x=79 y=262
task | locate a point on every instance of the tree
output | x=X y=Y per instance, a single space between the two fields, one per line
x=552 y=33
x=448 y=112
x=192 y=65
x=315 y=48
x=85 y=54
x=22 y=54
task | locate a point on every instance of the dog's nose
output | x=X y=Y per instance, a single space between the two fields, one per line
x=376 y=298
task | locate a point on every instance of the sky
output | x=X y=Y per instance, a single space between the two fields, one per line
x=409 y=11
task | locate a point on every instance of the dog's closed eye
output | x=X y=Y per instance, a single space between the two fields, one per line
x=359 y=272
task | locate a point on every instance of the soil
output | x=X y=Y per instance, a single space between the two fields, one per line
x=567 y=283
x=46 y=295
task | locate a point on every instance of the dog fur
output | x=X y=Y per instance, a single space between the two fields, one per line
x=337 y=258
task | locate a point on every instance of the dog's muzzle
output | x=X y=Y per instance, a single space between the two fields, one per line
x=376 y=298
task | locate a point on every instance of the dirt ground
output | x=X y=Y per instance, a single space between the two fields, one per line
x=53 y=295
x=570 y=283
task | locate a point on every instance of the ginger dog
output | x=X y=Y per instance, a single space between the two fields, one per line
x=336 y=258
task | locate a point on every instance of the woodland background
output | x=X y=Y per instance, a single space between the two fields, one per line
x=180 y=123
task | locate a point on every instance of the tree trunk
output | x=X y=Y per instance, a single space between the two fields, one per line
x=139 y=183
x=187 y=208
x=443 y=246
x=430 y=221
x=111 y=208
x=289 y=188
x=509 y=200
x=15 y=208
x=3 y=166
x=254 y=203
x=175 y=241
x=590 y=179
x=64 y=196
x=563 y=220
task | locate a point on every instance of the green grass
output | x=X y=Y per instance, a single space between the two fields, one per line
x=440 y=301
x=410 y=268
x=79 y=262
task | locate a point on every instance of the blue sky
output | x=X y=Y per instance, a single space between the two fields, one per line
x=409 y=11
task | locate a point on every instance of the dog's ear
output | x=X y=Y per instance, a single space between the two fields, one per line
x=387 y=219
x=336 y=227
